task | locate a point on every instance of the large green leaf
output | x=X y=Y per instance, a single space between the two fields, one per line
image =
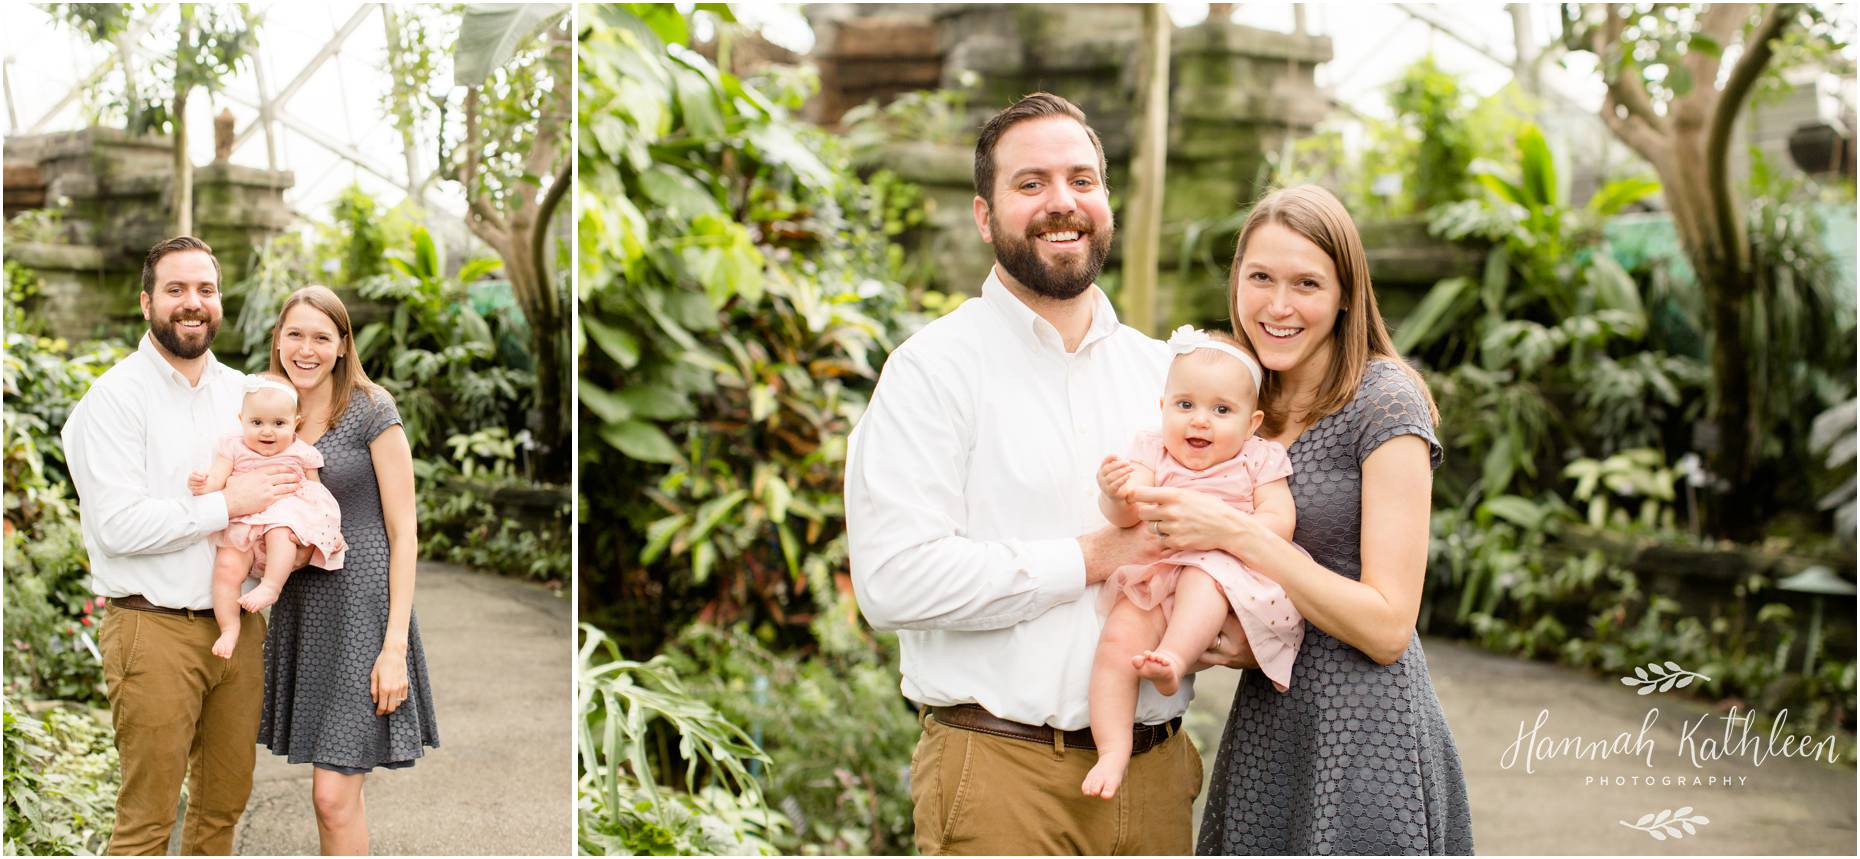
x=640 y=440
x=1433 y=316
x=1540 y=188
x=490 y=34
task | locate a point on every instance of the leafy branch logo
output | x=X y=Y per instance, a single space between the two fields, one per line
x=1668 y=823
x=1664 y=678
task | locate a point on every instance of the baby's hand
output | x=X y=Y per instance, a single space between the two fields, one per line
x=197 y=482
x=1114 y=475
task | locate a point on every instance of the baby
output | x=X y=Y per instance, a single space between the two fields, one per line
x=1161 y=617
x=303 y=527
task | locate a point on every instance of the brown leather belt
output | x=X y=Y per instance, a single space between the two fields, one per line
x=971 y=717
x=138 y=602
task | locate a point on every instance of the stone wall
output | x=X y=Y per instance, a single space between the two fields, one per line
x=1236 y=94
x=111 y=193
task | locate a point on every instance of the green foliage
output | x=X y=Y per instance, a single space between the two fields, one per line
x=737 y=292
x=833 y=724
x=452 y=358
x=476 y=519
x=1430 y=104
x=1511 y=571
x=61 y=781
x=357 y=223
x=50 y=618
x=627 y=803
x=1553 y=329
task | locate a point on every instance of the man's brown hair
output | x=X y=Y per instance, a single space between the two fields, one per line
x=1035 y=106
x=174 y=245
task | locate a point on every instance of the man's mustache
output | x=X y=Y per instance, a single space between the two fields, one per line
x=1061 y=224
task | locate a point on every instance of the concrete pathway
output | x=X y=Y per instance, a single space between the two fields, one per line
x=501 y=653
x=1783 y=805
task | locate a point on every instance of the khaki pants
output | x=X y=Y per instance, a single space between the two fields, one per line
x=181 y=712
x=979 y=794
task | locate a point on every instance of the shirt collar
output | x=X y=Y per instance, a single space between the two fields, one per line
x=1036 y=331
x=167 y=370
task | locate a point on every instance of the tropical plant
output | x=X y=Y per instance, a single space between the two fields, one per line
x=627 y=803
x=1553 y=325
x=515 y=164
x=449 y=369
x=737 y=293
x=61 y=781
x=1676 y=80
x=833 y=724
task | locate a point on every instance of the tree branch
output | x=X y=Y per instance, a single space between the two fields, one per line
x=1757 y=54
x=1633 y=130
x=1720 y=22
x=482 y=213
x=1624 y=77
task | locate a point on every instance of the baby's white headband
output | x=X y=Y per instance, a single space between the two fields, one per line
x=1187 y=339
x=255 y=383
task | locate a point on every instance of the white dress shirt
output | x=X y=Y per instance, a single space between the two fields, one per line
x=130 y=444
x=968 y=480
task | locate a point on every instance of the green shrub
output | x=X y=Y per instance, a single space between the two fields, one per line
x=837 y=732
x=629 y=716
x=50 y=621
x=737 y=294
x=61 y=781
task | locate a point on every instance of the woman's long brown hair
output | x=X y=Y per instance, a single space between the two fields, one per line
x=348 y=373
x=1359 y=334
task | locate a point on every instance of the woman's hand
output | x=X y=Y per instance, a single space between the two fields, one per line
x=1229 y=650
x=387 y=683
x=1191 y=520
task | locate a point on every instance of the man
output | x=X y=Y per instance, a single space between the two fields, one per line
x=178 y=710
x=971 y=509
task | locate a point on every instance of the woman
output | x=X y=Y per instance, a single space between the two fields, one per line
x=345 y=677
x=1355 y=757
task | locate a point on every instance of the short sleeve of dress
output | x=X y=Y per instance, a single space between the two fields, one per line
x=1266 y=460
x=306 y=454
x=381 y=414
x=1146 y=449
x=1391 y=404
x=230 y=446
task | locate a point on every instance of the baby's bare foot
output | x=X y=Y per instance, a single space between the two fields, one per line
x=258 y=598
x=1160 y=667
x=223 y=648
x=1104 y=778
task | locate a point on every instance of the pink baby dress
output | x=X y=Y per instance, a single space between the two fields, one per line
x=310 y=512
x=1274 y=629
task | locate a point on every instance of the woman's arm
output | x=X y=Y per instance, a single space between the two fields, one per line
x=393 y=462
x=1375 y=615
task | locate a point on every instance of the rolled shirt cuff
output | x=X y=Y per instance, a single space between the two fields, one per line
x=1057 y=567
x=210 y=511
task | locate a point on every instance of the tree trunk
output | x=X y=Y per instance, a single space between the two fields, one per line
x=183 y=169
x=1143 y=224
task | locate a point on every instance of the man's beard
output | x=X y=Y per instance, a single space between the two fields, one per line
x=169 y=336
x=1064 y=281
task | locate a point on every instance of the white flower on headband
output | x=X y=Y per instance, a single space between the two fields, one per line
x=1187 y=339
x=255 y=383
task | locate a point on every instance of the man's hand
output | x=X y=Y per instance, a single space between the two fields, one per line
x=255 y=490
x=1111 y=547
x=197 y=482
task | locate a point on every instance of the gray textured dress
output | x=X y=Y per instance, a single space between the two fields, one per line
x=1354 y=758
x=327 y=627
